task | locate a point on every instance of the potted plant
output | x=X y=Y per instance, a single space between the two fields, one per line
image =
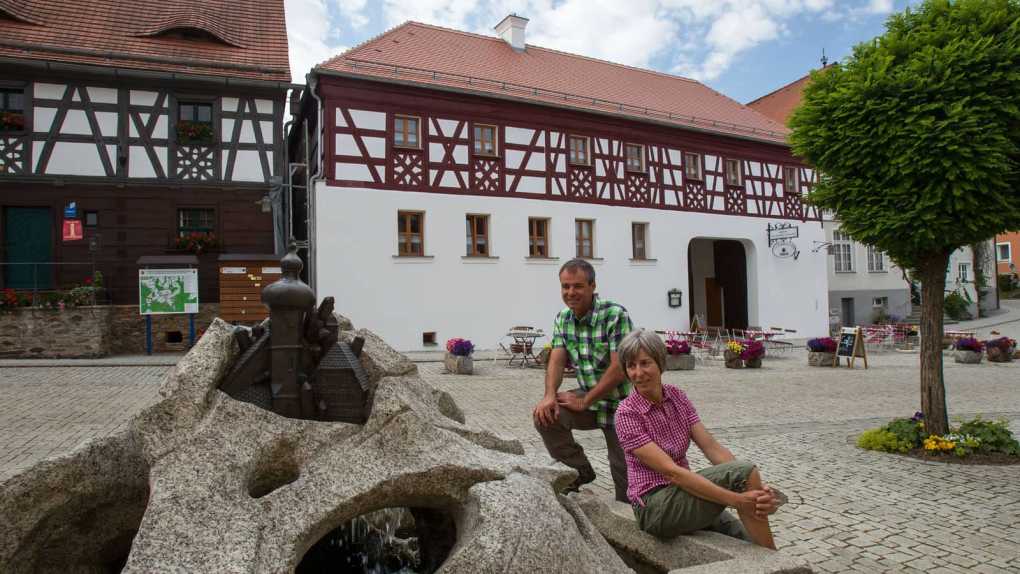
x=732 y=355
x=968 y=350
x=197 y=242
x=12 y=122
x=821 y=352
x=1000 y=350
x=189 y=132
x=458 y=356
x=752 y=353
x=678 y=355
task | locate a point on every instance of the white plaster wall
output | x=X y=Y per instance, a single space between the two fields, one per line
x=399 y=298
x=102 y=95
x=860 y=279
x=49 y=91
x=953 y=283
x=143 y=98
x=139 y=164
x=247 y=166
x=75 y=159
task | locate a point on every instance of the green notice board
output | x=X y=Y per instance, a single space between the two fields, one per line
x=167 y=291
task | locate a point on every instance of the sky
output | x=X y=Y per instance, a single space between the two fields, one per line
x=742 y=48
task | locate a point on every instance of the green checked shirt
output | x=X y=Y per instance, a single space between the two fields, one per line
x=589 y=341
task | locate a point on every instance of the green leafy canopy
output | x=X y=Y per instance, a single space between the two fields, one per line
x=917 y=134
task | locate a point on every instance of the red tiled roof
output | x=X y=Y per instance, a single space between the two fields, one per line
x=779 y=104
x=433 y=56
x=252 y=35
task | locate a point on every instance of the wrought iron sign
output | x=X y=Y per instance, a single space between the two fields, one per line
x=782 y=232
x=781 y=236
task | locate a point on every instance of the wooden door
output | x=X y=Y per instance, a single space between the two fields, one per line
x=28 y=238
x=713 y=302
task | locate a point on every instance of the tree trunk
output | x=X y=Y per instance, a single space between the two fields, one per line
x=932 y=273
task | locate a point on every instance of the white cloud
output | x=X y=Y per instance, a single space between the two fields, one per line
x=879 y=6
x=308 y=36
x=353 y=11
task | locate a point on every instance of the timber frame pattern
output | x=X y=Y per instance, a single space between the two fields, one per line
x=143 y=131
x=531 y=159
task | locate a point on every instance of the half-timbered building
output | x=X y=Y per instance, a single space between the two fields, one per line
x=455 y=172
x=156 y=119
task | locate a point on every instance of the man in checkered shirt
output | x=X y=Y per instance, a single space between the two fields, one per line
x=587 y=332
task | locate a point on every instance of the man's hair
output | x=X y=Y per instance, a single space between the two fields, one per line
x=642 y=340
x=579 y=265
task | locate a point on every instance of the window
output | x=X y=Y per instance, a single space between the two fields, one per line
x=195 y=221
x=485 y=140
x=91 y=219
x=405 y=131
x=12 y=110
x=1003 y=252
x=585 y=238
x=876 y=260
x=638 y=233
x=692 y=166
x=538 y=237
x=635 y=155
x=194 y=112
x=579 y=150
x=963 y=273
x=733 y=172
x=880 y=302
x=428 y=338
x=842 y=248
x=477 y=235
x=410 y=234
x=791 y=180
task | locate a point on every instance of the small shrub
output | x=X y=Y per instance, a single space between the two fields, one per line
x=883 y=440
x=955 y=307
x=994 y=436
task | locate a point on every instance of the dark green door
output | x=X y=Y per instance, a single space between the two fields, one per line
x=28 y=238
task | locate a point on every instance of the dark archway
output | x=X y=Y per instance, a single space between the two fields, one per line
x=717 y=283
x=731 y=275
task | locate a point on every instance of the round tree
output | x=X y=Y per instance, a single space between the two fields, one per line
x=917 y=137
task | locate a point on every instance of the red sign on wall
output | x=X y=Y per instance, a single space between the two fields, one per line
x=72 y=230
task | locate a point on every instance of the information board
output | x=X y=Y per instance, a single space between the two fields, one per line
x=851 y=346
x=167 y=291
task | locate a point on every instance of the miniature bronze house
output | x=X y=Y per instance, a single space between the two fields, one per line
x=292 y=363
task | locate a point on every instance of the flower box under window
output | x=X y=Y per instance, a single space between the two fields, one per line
x=12 y=122
x=200 y=133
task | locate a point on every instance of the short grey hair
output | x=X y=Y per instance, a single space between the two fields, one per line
x=578 y=264
x=642 y=340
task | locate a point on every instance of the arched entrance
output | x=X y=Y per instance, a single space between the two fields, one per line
x=717 y=281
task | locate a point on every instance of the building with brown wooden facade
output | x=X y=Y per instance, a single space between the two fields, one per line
x=160 y=121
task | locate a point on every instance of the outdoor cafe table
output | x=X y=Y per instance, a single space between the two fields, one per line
x=521 y=348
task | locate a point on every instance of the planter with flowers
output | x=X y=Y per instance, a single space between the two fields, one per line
x=194 y=133
x=197 y=242
x=458 y=356
x=731 y=355
x=821 y=352
x=678 y=355
x=752 y=354
x=1000 y=350
x=968 y=351
x=12 y=122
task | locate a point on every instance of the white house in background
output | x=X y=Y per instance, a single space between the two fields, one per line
x=453 y=174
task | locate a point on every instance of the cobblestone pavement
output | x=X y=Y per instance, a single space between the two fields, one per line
x=849 y=510
x=48 y=410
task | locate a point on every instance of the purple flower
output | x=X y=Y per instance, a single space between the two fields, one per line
x=459 y=347
x=918 y=416
x=968 y=344
x=822 y=345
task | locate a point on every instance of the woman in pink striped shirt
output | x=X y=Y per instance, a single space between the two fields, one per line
x=655 y=427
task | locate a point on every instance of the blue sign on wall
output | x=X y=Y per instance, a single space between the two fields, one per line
x=71 y=210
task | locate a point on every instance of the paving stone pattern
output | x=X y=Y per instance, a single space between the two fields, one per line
x=849 y=511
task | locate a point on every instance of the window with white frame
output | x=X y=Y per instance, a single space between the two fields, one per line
x=876 y=260
x=843 y=249
x=1003 y=252
x=963 y=272
x=882 y=302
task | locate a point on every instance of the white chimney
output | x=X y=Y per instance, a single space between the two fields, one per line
x=511 y=29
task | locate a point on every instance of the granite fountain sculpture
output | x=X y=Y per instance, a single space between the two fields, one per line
x=264 y=442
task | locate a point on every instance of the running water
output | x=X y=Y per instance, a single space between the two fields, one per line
x=381 y=542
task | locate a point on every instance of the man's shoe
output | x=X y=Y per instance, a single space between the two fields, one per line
x=585 y=474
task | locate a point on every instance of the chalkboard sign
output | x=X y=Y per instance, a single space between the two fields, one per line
x=851 y=346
